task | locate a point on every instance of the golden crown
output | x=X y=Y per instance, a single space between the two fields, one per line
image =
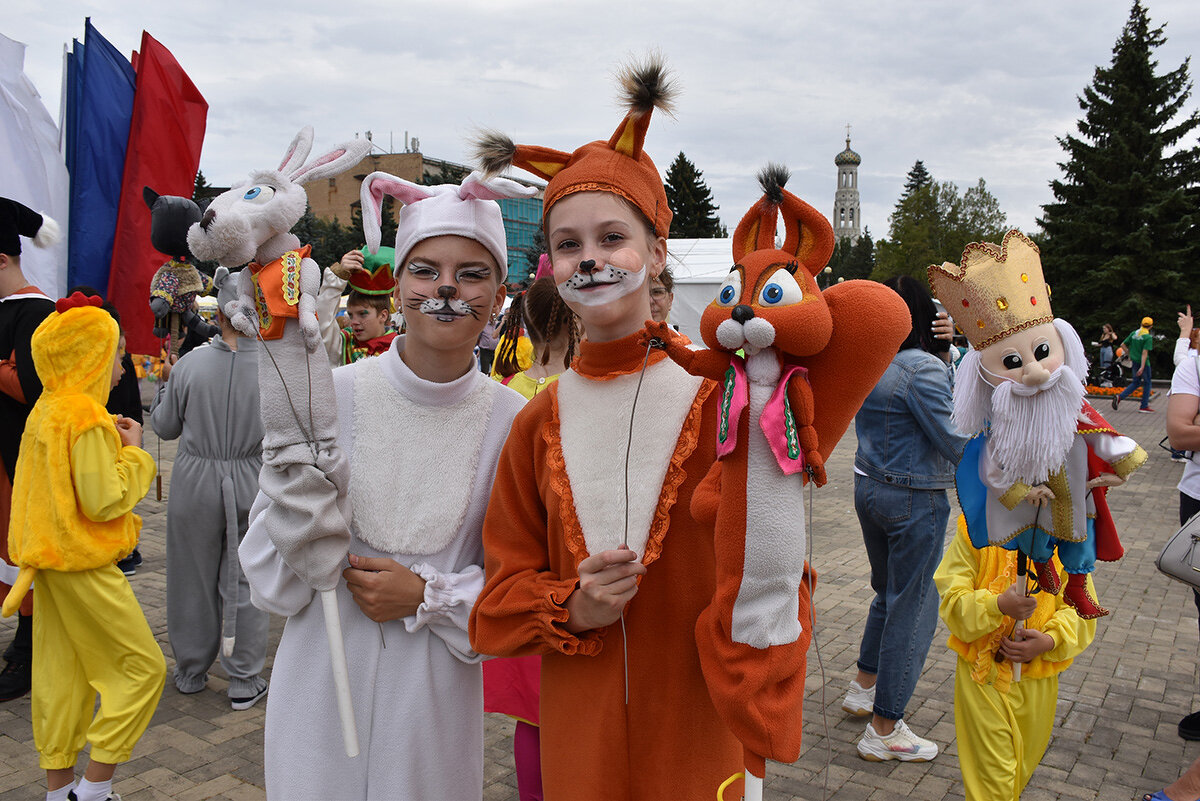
x=994 y=291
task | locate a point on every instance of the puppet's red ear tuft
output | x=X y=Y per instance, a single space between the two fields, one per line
x=78 y=300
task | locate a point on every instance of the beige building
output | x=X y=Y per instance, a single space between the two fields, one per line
x=339 y=196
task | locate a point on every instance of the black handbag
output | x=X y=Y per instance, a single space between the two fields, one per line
x=1180 y=557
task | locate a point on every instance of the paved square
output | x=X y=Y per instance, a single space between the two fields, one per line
x=1118 y=706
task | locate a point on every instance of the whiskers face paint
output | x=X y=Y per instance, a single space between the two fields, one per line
x=446 y=310
x=598 y=287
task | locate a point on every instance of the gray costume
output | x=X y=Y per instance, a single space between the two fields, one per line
x=211 y=404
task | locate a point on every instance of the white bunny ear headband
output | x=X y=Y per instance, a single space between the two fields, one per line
x=341 y=158
x=448 y=209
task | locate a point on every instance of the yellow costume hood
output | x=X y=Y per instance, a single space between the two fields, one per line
x=73 y=351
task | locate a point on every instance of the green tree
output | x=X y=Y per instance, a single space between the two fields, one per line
x=691 y=202
x=1125 y=213
x=202 y=190
x=932 y=223
x=918 y=178
x=980 y=217
x=853 y=259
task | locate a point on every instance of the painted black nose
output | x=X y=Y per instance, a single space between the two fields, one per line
x=586 y=267
x=742 y=313
x=446 y=292
x=207 y=219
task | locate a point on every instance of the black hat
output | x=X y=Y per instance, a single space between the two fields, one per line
x=18 y=220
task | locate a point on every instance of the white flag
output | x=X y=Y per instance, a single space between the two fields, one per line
x=32 y=169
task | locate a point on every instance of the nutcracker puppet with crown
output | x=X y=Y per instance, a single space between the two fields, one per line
x=1035 y=476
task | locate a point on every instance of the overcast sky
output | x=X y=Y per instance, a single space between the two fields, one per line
x=975 y=89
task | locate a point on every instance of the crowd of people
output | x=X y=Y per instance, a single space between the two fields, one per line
x=482 y=520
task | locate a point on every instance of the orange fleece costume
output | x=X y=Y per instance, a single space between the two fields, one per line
x=559 y=496
x=811 y=359
x=668 y=742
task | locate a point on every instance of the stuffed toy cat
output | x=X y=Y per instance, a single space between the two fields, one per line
x=175 y=284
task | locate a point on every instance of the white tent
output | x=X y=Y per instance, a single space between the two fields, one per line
x=699 y=267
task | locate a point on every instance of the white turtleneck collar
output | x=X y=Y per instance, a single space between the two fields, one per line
x=417 y=389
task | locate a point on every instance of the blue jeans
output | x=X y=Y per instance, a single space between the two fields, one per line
x=1142 y=381
x=904 y=531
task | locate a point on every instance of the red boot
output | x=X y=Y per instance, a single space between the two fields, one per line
x=1047 y=577
x=1077 y=595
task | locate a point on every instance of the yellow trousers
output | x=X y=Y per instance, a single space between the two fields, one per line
x=89 y=637
x=1001 y=737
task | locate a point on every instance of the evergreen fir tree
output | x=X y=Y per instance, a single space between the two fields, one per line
x=918 y=178
x=691 y=202
x=852 y=259
x=1123 y=227
x=202 y=190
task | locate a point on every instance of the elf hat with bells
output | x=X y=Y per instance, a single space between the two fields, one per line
x=619 y=165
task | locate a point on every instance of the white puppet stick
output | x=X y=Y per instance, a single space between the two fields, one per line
x=341 y=675
x=754 y=787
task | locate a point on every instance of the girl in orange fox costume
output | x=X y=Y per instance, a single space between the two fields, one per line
x=602 y=600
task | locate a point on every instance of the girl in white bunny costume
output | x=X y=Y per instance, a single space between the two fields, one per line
x=422 y=428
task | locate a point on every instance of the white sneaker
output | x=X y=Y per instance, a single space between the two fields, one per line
x=859 y=702
x=239 y=704
x=901 y=744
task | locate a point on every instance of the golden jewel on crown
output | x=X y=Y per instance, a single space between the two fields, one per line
x=995 y=291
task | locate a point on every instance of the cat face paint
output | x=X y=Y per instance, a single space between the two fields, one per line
x=596 y=285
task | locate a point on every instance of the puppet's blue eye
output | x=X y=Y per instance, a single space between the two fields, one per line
x=259 y=194
x=781 y=289
x=730 y=291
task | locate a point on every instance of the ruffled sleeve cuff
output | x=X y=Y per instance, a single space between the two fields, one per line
x=585 y=643
x=448 y=596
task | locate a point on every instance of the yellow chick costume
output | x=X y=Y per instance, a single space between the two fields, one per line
x=1003 y=727
x=75 y=489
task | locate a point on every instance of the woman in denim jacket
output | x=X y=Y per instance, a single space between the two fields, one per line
x=907 y=452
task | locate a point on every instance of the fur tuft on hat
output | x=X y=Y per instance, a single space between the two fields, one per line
x=773 y=178
x=648 y=86
x=18 y=220
x=619 y=165
x=494 y=151
x=48 y=234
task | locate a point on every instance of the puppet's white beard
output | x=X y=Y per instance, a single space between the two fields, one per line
x=1033 y=429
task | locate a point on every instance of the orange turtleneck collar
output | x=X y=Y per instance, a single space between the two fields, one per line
x=602 y=360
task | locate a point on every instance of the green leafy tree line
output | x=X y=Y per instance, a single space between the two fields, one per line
x=932 y=223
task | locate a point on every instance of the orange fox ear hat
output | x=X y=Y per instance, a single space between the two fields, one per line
x=619 y=165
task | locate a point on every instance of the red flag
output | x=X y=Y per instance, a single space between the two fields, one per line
x=165 y=136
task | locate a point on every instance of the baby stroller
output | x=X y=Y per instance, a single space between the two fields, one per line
x=1110 y=374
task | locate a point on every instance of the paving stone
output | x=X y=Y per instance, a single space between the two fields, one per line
x=1118 y=707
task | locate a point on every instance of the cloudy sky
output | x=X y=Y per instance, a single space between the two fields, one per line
x=975 y=89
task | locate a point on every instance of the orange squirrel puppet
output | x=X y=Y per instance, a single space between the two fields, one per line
x=811 y=359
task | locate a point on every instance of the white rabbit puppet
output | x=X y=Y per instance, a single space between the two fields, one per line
x=303 y=504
